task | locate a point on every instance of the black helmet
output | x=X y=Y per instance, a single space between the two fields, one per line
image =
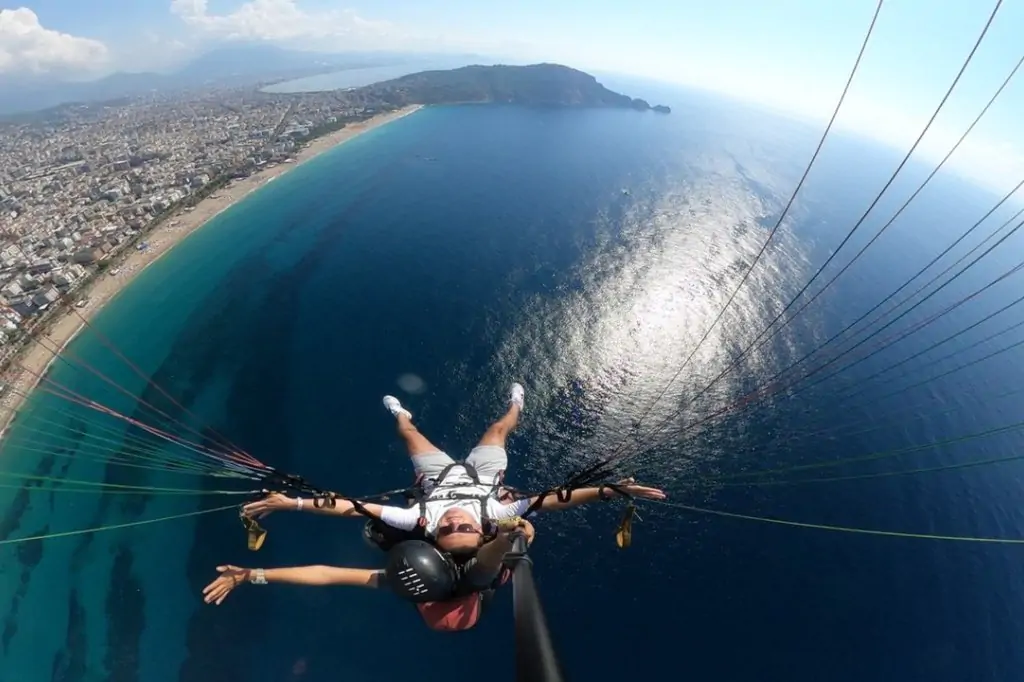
x=419 y=572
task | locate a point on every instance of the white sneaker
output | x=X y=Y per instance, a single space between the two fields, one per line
x=518 y=395
x=395 y=407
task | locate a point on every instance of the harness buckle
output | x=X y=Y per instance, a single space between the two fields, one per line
x=624 y=533
x=256 y=535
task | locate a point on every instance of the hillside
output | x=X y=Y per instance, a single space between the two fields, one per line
x=538 y=84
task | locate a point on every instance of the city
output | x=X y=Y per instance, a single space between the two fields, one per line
x=82 y=185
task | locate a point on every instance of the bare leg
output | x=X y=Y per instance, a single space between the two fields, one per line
x=489 y=458
x=499 y=430
x=415 y=442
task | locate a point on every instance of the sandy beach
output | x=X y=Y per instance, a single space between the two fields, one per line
x=36 y=356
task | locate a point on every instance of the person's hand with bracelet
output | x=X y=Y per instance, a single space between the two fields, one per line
x=230 y=578
x=330 y=506
x=272 y=503
x=233 y=576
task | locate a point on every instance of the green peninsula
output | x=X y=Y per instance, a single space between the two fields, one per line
x=537 y=85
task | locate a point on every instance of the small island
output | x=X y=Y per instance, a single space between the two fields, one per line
x=536 y=85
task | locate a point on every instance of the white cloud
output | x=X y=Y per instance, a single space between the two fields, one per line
x=284 y=21
x=288 y=23
x=27 y=47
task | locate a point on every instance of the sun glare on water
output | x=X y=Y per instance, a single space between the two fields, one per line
x=647 y=297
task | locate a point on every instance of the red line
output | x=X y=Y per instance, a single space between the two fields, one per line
x=109 y=344
x=155 y=431
x=78 y=398
x=236 y=451
x=66 y=354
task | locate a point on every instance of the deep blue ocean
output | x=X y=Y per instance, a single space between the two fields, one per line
x=583 y=253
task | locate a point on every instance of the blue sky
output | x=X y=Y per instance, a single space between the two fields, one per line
x=789 y=54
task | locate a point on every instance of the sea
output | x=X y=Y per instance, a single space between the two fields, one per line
x=588 y=254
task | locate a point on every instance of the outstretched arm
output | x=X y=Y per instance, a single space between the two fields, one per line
x=588 y=495
x=404 y=518
x=324 y=575
x=281 y=502
x=233 y=576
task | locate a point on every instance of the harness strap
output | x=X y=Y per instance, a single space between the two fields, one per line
x=485 y=519
x=470 y=470
x=421 y=522
x=362 y=510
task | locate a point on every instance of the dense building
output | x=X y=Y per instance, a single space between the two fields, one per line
x=78 y=183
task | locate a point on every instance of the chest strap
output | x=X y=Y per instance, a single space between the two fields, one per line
x=485 y=519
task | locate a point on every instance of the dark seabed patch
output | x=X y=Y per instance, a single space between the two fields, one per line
x=213 y=646
x=61 y=474
x=80 y=555
x=216 y=648
x=29 y=556
x=69 y=664
x=126 y=619
x=12 y=518
x=28 y=553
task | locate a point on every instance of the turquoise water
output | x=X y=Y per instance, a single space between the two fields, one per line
x=145 y=322
x=470 y=246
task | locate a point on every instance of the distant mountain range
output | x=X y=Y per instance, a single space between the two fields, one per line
x=234 y=66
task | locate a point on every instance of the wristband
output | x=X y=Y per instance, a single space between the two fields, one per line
x=259 y=577
x=298 y=503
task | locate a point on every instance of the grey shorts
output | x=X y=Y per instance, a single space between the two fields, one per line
x=488 y=460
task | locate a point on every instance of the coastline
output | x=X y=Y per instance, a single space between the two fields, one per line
x=35 y=359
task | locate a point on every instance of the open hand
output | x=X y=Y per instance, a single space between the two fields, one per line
x=271 y=503
x=628 y=485
x=230 y=578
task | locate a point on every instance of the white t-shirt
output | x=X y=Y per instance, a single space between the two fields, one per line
x=439 y=501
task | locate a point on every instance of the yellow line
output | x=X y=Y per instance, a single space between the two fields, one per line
x=83 y=531
x=842 y=529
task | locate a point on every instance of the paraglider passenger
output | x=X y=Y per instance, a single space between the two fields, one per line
x=446 y=548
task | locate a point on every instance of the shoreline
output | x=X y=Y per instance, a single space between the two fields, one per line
x=63 y=329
